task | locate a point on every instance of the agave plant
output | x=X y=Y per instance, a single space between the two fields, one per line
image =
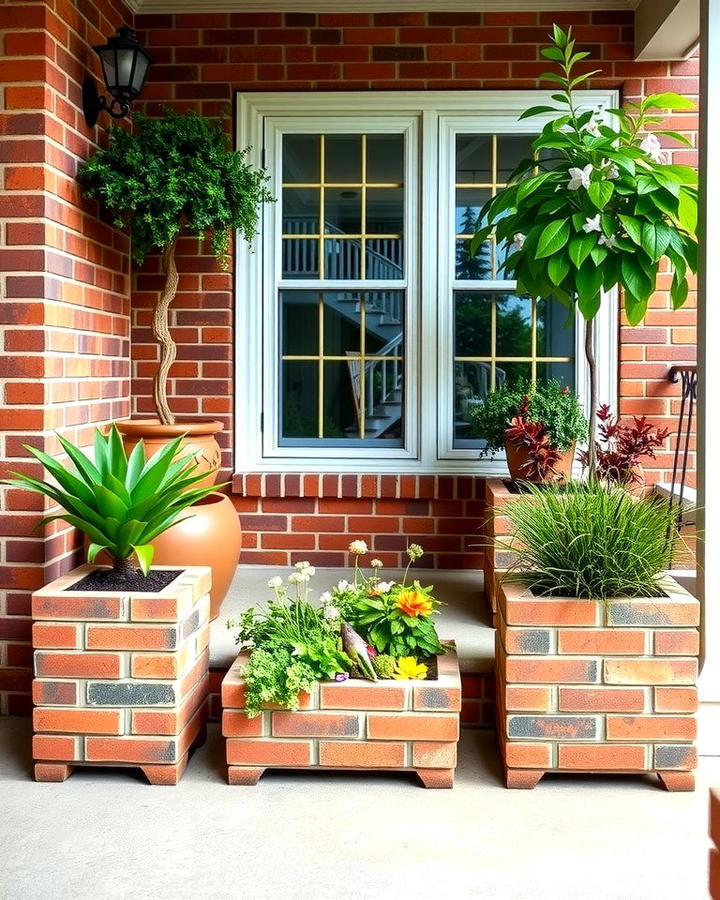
x=121 y=503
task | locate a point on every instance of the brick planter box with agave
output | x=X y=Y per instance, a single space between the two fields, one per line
x=596 y=648
x=359 y=682
x=121 y=656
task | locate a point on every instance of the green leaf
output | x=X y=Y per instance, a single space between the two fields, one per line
x=635 y=308
x=553 y=238
x=678 y=291
x=553 y=53
x=588 y=282
x=655 y=239
x=676 y=136
x=144 y=553
x=667 y=100
x=580 y=246
x=600 y=193
x=93 y=551
x=635 y=279
x=646 y=184
x=589 y=306
x=680 y=174
x=688 y=211
x=82 y=463
x=557 y=268
x=598 y=254
x=135 y=465
x=633 y=227
x=537 y=111
x=117 y=460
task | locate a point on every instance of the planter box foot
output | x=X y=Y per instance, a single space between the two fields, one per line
x=677 y=781
x=437 y=778
x=166 y=774
x=53 y=771
x=244 y=775
x=523 y=779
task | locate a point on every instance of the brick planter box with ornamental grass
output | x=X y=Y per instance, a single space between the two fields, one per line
x=584 y=688
x=121 y=678
x=354 y=724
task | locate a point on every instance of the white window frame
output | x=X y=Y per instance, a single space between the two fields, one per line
x=433 y=116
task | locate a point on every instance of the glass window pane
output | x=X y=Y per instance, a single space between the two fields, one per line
x=509 y=373
x=343 y=158
x=512 y=149
x=473 y=159
x=299 y=400
x=341 y=323
x=385 y=158
x=299 y=258
x=564 y=372
x=342 y=211
x=473 y=324
x=342 y=258
x=555 y=329
x=468 y=202
x=299 y=323
x=301 y=210
x=474 y=268
x=384 y=258
x=384 y=211
x=377 y=388
x=514 y=326
x=301 y=158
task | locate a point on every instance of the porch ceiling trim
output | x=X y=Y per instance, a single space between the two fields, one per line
x=173 y=6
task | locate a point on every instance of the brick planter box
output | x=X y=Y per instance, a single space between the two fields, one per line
x=582 y=689
x=121 y=678
x=714 y=885
x=354 y=724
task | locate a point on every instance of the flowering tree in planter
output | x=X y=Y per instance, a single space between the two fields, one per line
x=596 y=207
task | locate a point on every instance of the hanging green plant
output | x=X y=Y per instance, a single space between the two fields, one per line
x=596 y=207
x=173 y=175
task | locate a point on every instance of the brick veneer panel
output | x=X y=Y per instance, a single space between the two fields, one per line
x=65 y=288
x=355 y=724
x=589 y=689
x=120 y=678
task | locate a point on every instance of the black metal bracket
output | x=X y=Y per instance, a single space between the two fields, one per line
x=94 y=104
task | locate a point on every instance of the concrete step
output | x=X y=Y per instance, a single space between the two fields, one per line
x=464 y=618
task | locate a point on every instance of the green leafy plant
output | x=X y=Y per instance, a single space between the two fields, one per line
x=173 y=175
x=120 y=503
x=591 y=540
x=273 y=676
x=596 y=207
x=549 y=404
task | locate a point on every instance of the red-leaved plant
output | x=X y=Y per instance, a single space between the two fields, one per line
x=533 y=437
x=621 y=446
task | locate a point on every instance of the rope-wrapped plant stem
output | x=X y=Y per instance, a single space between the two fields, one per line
x=161 y=331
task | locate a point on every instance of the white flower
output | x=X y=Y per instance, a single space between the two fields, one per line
x=275 y=582
x=415 y=551
x=608 y=242
x=309 y=571
x=592 y=224
x=326 y=597
x=384 y=586
x=651 y=145
x=580 y=177
x=343 y=585
x=301 y=566
x=298 y=577
x=518 y=241
x=359 y=548
x=331 y=613
x=610 y=170
x=376 y=563
x=592 y=128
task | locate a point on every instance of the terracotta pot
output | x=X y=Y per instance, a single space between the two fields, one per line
x=200 y=441
x=211 y=537
x=517 y=457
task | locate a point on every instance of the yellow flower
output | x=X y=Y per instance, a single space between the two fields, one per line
x=414 y=602
x=409 y=667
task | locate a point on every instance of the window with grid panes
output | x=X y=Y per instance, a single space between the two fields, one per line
x=378 y=333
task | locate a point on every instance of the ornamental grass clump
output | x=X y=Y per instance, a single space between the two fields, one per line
x=591 y=540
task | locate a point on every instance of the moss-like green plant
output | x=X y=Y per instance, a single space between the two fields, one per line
x=173 y=175
x=550 y=404
x=591 y=540
x=384 y=665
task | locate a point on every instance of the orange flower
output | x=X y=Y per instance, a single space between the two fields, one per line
x=414 y=603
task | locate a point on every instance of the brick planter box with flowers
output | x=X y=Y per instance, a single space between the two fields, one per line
x=352 y=724
x=121 y=677
x=360 y=682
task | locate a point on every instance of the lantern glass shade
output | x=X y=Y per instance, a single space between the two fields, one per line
x=124 y=64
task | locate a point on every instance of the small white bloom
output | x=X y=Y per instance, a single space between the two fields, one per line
x=518 y=241
x=651 y=145
x=415 y=551
x=608 y=242
x=592 y=224
x=610 y=170
x=275 y=582
x=309 y=571
x=376 y=563
x=326 y=597
x=580 y=177
x=298 y=578
x=342 y=585
x=331 y=613
x=592 y=128
x=384 y=586
x=359 y=548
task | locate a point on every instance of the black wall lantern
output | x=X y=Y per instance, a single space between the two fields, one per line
x=124 y=65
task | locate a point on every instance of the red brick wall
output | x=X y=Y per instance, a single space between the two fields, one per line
x=64 y=283
x=202 y=60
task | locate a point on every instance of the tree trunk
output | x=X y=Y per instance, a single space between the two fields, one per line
x=161 y=331
x=124 y=568
x=592 y=369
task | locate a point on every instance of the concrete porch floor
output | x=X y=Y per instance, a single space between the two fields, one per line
x=105 y=833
